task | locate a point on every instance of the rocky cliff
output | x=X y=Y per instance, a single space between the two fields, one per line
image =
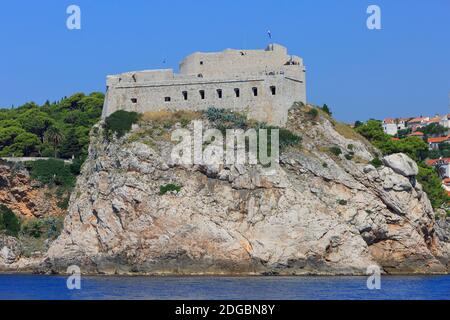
x=323 y=212
x=33 y=203
x=26 y=197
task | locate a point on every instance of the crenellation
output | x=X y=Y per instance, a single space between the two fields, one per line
x=263 y=83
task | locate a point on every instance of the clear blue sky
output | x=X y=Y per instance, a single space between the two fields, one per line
x=401 y=70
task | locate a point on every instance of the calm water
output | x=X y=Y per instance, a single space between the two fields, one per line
x=308 y=288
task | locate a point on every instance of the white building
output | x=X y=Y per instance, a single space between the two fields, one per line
x=392 y=126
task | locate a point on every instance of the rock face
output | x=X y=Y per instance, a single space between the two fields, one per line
x=10 y=250
x=24 y=196
x=319 y=214
x=401 y=164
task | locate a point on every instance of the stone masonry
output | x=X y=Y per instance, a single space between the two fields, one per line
x=263 y=83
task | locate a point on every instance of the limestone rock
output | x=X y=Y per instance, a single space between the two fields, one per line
x=314 y=214
x=401 y=164
x=10 y=250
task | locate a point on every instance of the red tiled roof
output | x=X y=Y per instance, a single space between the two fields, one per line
x=438 y=139
x=435 y=120
x=417 y=133
x=432 y=162
x=418 y=119
x=395 y=139
x=446 y=180
x=389 y=120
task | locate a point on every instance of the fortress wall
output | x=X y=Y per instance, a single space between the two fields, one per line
x=246 y=71
x=232 y=62
x=263 y=107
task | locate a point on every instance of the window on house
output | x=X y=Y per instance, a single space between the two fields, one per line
x=202 y=94
x=219 y=93
x=133 y=100
x=201 y=62
x=200 y=75
x=237 y=92
x=167 y=99
x=185 y=95
x=273 y=90
x=255 y=91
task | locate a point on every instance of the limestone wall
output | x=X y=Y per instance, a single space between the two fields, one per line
x=264 y=83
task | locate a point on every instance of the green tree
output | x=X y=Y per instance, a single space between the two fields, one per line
x=71 y=145
x=25 y=144
x=326 y=109
x=432 y=185
x=358 y=123
x=35 y=121
x=7 y=137
x=434 y=129
x=54 y=136
x=373 y=131
x=9 y=221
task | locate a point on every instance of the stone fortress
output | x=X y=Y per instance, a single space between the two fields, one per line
x=262 y=83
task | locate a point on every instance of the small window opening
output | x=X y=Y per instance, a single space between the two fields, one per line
x=185 y=95
x=202 y=94
x=200 y=75
x=133 y=100
x=237 y=92
x=219 y=93
x=167 y=99
x=255 y=91
x=273 y=90
x=201 y=63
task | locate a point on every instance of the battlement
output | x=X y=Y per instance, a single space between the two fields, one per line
x=264 y=83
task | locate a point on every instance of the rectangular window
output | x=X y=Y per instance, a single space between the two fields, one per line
x=202 y=94
x=237 y=92
x=167 y=99
x=255 y=91
x=133 y=100
x=219 y=93
x=273 y=90
x=185 y=95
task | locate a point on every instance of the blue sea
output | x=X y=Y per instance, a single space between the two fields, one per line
x=227 y=288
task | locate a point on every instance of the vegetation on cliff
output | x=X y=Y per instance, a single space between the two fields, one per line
x=9 y=223
x=120 y=122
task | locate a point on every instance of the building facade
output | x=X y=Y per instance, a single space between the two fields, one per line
x=392 y=126
x=263 y=83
